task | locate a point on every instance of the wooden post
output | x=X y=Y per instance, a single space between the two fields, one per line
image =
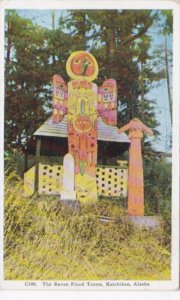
x=135 y=174
x=36 y=177
x=25 y=161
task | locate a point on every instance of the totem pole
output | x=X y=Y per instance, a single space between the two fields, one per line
x=83 y=102
x=135 y=174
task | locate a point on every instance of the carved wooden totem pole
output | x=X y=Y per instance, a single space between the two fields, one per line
x=135 y=180
x=83 y=102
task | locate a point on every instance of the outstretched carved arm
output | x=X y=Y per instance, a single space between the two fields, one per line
x=60 y=98
x=147 y=130
x=124 y=128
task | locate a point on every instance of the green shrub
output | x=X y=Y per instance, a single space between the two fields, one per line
x=157 y=181
x=14 y=162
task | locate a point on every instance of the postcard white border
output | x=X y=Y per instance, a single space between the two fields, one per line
x=106 y=4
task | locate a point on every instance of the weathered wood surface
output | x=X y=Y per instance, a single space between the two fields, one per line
x=68 y=192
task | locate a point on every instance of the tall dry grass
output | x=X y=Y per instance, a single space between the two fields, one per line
x=45 y=241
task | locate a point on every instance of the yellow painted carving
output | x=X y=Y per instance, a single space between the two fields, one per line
x=82 y=115
x=75 y=98
x=77 y=63
x=86 y=188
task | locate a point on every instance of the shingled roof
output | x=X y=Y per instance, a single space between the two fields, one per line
x=105 y=132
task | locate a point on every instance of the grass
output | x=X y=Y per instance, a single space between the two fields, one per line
x=45 y=241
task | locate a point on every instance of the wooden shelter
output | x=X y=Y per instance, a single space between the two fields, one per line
x=49 y=144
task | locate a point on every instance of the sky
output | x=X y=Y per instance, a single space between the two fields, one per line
x=159 y=94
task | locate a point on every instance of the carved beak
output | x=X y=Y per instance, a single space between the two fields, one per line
x=84 y=67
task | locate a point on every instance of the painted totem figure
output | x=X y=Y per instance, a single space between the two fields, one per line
x=107 y=102
x=83 y=103
x=59 y=98
x=135 y=174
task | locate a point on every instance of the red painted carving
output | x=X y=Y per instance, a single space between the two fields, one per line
x=60 y=96
x=107 y=101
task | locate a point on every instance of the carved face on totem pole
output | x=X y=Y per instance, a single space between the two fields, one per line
x=82 y=65
x=85 y=102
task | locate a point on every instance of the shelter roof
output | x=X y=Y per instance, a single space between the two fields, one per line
x=105 y=132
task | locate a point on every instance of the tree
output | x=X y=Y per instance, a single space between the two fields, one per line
x=163 y=52
x=168 y=31
x=26 y=79
x=78 y=25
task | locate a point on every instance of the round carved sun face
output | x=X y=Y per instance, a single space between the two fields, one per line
x=82 y=123
x=82 y=65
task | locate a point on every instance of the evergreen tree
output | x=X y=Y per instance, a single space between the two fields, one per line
x=26 y=79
